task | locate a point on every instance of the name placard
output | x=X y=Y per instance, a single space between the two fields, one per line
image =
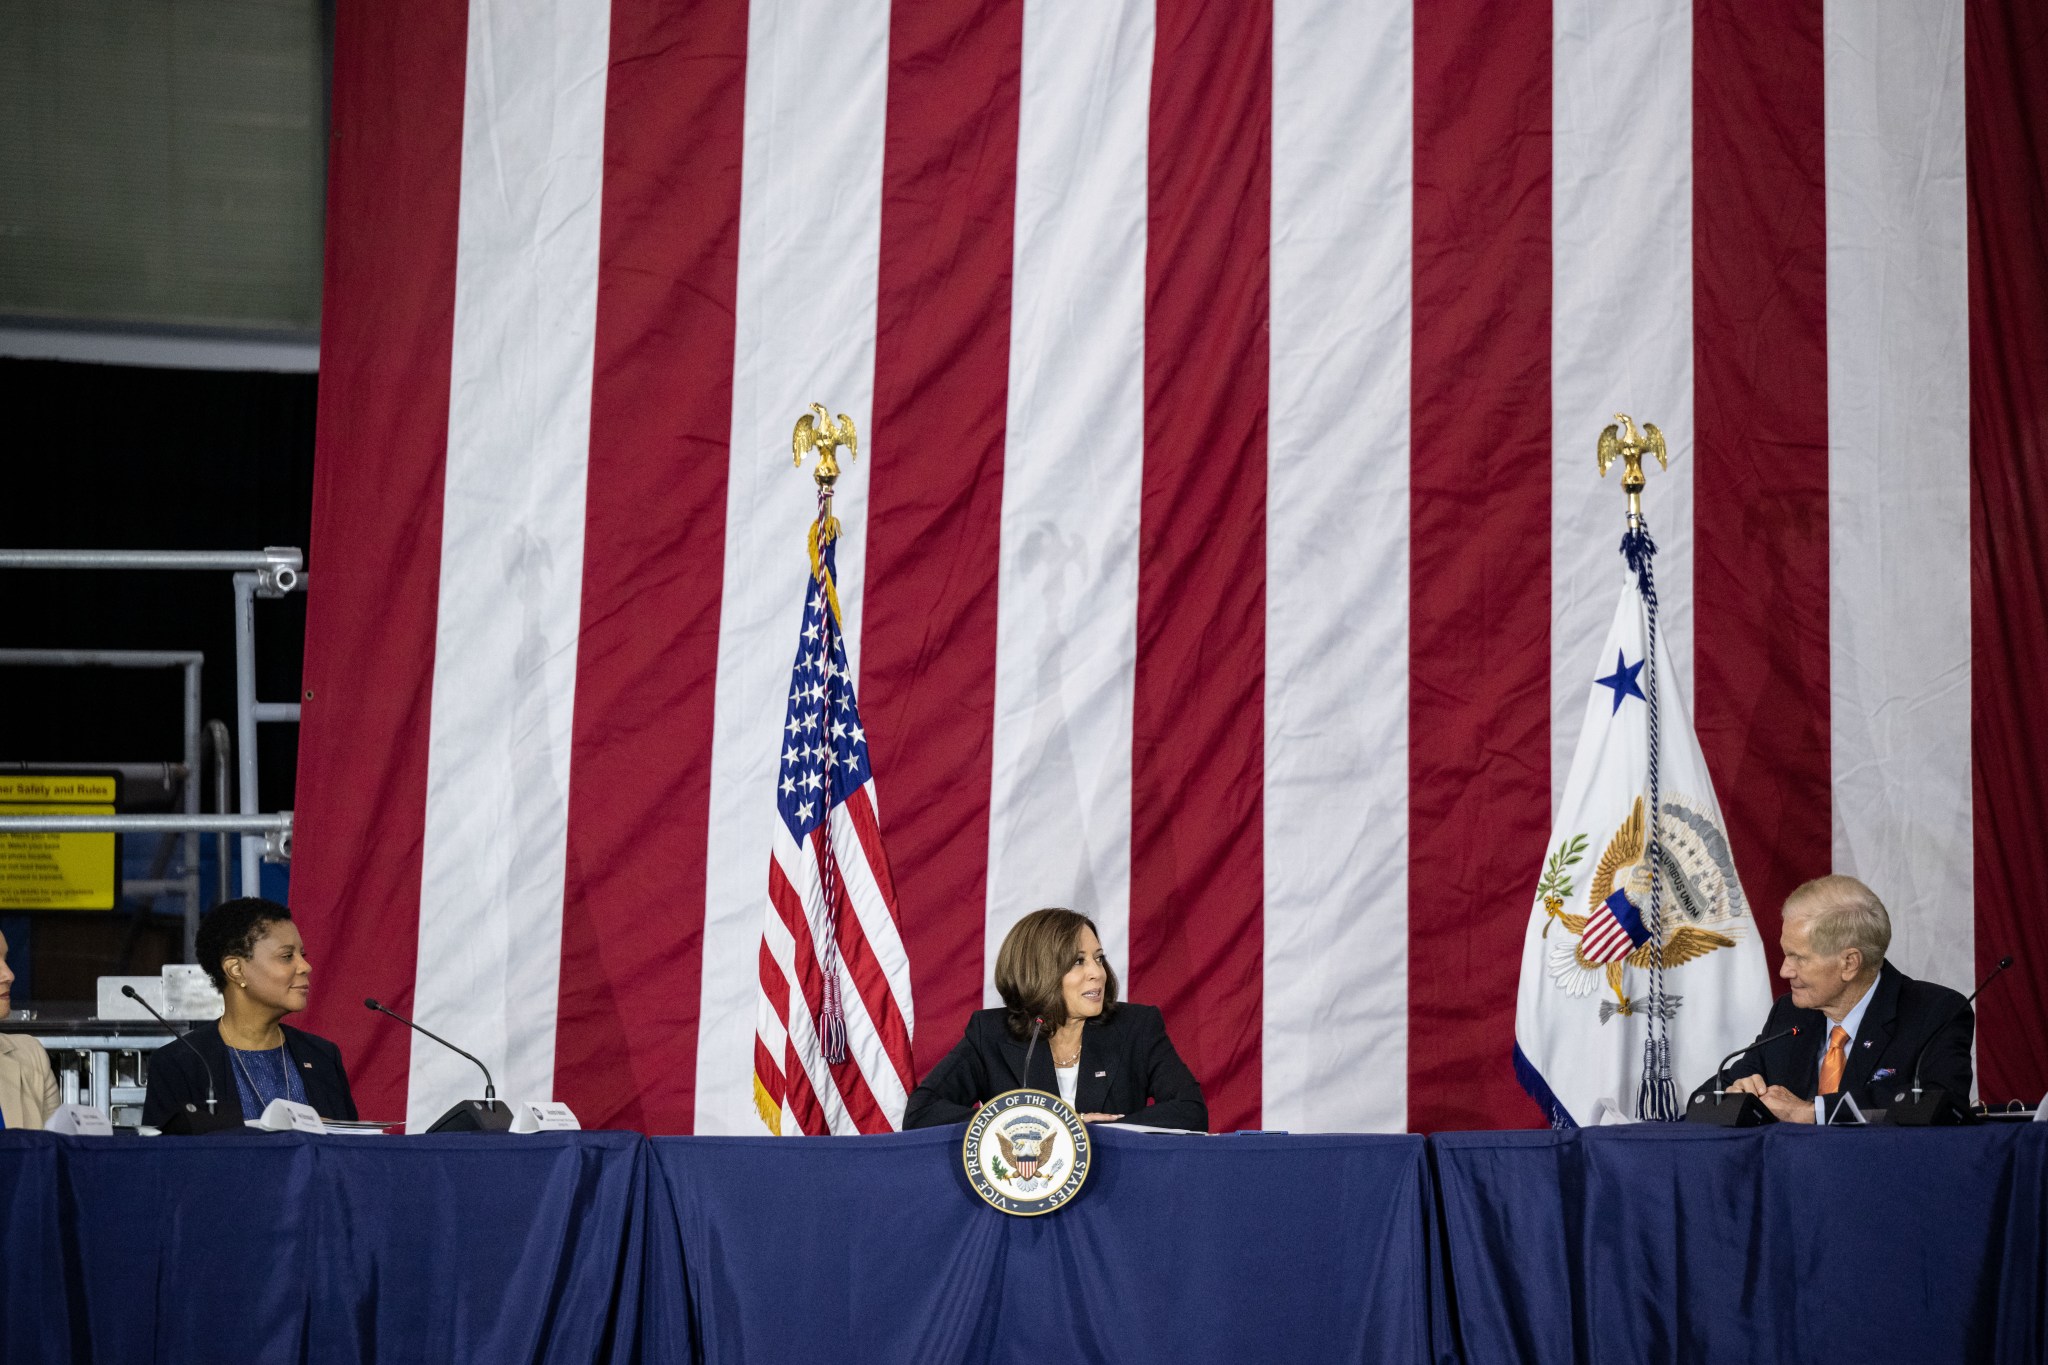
x=289 y=1116
x=544 y=1116
x=79 y=1120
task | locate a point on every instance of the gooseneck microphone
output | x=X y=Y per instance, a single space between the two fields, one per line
x=1740 y=1110
x=1920 y=1055
x=192 y=1121
x=490 y=1091
x=1036 y=1025
x=1721 y=1071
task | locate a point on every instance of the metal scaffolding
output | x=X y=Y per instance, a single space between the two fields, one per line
x=273 y=572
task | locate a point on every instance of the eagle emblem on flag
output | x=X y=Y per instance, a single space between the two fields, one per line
x=1702 y=910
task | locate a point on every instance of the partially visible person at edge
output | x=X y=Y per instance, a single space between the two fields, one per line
x=28 y=1088
x=254 y=954
x=1861 y=1020
x=1111 y=1061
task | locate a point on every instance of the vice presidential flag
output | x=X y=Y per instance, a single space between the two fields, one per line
x=832 y=1037
x=1591 y=946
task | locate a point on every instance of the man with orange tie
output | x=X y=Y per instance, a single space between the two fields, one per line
x=1860 y=1020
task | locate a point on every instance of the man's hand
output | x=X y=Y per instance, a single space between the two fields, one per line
x=1787 y=1106
x=1100 y=1118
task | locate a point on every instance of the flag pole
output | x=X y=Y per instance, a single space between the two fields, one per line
x=816 y=431
x=1657 y=1097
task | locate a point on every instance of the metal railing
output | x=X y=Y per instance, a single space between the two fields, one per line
x=275 y=571
x=190 y=663
x=282 y=564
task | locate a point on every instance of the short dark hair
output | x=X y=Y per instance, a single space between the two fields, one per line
x=231 y=929
x=1036 y=955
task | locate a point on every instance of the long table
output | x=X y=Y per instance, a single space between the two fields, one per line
x=1632 y=1244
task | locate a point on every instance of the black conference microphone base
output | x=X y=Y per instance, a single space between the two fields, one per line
x=475 y=1116
x=193 y=1120
x=1931 y=1108
x=1732 y=1109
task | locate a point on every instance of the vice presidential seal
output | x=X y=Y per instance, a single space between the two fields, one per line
x=1026 y=1152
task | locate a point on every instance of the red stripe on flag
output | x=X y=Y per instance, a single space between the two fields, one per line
x=808 y=998
x=860 y=1102
x=882 y=1004
x=873 y=988
x=1761 y=470
x=774 y=985
x=1198 y=727
x=654 y=553
x=869 y=981
x=767 y=1065
x=854 y=1094
x=768 y=1071
x=387 y=329
x=860 y=809
x=1479 y=562
x=2006 y=88
x=928 y=638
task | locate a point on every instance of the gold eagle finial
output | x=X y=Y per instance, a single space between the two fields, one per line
x=1630 y=449
x=816 y=430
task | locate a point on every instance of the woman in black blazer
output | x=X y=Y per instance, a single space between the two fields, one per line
x=253 y=952
x=1110 y=1061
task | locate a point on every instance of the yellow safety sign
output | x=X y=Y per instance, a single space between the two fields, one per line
x=58 y=871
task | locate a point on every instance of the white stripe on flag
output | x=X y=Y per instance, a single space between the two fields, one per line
x=810 y=250
x=1066 y=633
x=1335 y=1050
x=1603 y=938
x=864 y=893
x=864 y=1045
x=1621 y=329
x=490 y=925
x=1899 y=472
x=781 y=947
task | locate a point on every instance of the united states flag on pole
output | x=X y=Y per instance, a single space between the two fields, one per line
x=832 y=1046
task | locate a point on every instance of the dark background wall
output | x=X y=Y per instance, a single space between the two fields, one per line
x=118 y=457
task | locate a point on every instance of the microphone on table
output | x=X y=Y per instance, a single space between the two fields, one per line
x=189 y=1120
x=468 y=1116
x=1036 y=1025
x=1736 y=1111
x=1912 y=1109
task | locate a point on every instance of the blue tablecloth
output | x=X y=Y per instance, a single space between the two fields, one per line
x=279 y=1248
x=1181 y=1248
x=1637 y=1244
x=1789 y=1243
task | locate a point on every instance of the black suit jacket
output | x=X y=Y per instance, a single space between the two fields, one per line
x=1126 y=1060
x=178 y=1078
x=1903 y=1014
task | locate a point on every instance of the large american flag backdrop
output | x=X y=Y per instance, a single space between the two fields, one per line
x=1224 y=555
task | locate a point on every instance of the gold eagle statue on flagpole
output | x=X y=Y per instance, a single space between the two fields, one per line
x=816 y=430
x=1630 y=449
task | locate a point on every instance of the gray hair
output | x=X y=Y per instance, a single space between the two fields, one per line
x=1842 y=913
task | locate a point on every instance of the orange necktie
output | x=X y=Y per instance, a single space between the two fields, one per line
x=1831 y=1065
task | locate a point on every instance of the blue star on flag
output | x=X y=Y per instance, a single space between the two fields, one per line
x=1623 y=680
